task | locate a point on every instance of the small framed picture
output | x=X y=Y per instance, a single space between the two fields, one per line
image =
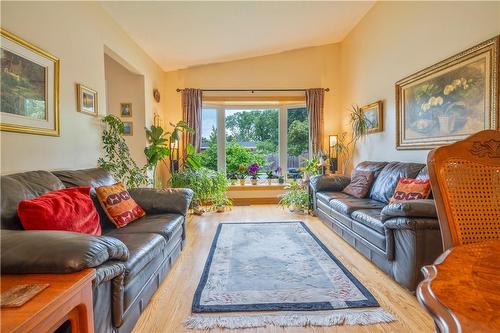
x=374 y=116
x=87 y=100
x=128 y=128
x=126 y=109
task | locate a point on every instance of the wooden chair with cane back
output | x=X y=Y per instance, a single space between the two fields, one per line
x=465 y=181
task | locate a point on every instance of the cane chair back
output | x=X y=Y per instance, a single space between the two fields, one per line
x=465 y=181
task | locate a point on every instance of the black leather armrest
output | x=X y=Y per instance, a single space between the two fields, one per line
x=25 y=252
x=334 y=183
x=155 y=201
x=412 y=223
x=410 y=208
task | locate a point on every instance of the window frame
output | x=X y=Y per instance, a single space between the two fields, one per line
x=220 y=110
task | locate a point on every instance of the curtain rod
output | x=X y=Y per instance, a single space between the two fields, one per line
x=253 y=90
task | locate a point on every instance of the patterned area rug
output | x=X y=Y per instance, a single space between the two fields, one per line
x=277 y=273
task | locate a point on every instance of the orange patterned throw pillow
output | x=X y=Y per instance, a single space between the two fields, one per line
x=118 y=204
x=411 y=189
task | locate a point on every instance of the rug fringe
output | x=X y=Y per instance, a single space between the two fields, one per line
x=331 y=318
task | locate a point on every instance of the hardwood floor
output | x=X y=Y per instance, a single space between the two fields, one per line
x=172 y=302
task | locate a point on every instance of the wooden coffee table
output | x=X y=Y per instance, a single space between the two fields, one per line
x=69 y=297
x=462 y=289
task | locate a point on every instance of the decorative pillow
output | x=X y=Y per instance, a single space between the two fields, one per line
x=118 y=204
x=69 y=209
x=411 y=189
x=360 y=183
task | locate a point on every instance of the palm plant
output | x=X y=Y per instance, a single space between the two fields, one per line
x=346 y=144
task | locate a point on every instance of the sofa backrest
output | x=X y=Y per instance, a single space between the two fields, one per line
x=89 y=177
x=383 y=187
x=371 y=166
x=22 y=186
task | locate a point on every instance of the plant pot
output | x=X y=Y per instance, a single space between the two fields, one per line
x=269 y=181
x=198 y=210
x=232 y=182
x=281 y=180
x=242 y=182
x=220 y=209
x=254 y=181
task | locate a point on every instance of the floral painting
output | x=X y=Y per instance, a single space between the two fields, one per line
x=448 y=101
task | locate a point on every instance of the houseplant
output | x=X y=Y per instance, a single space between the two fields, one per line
x=311 y=167
x=253 y=169
x=241 y=174
x=346 y=144
x=270 y=176
x=296 y=198
x=117 y=159
x=161 y=147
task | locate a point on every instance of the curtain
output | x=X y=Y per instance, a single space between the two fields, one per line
x=314 y=103
x=192 y=100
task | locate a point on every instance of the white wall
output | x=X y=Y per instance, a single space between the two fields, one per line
x=124 y=86
x=77 y=33
x=396 y=39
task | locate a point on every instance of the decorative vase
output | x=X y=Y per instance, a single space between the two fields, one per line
x=254 y=181
x=269 y=181
x=242 y=182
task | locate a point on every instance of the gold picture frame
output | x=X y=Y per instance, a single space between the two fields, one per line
x=374 y=113
x=128 y=128
x=30 y=107
x=87 y=100
x=450 y=100
x=126 y=110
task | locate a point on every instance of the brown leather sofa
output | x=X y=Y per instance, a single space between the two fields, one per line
x=130 y=262
x=399 y=238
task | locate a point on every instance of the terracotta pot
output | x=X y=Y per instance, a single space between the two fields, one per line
x=254 y=181
x=242 y=182
x=220 y=209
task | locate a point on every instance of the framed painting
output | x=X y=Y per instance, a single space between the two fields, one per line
x=87 y=100
x=126 y=109
x=449 y=101
x=128 y=128
x=29 y=87
x=374 y=116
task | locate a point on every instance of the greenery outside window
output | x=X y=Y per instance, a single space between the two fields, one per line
x=272 y=136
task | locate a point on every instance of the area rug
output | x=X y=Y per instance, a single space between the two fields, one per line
x=277 y=273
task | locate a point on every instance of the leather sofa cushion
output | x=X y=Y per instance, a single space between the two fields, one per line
x=325 y=197
x=22 y=186
x=348 y=205
x=86 y=177
x=376 y=167
x=162 y=224
x=385 y=184
x=370 y=218
x=143 y=248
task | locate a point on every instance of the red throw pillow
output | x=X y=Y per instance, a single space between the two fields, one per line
x=69 y=209
x=118 y=204
x=411 y=189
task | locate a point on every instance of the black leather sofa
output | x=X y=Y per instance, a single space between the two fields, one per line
x=130 y=262
x=399 y=238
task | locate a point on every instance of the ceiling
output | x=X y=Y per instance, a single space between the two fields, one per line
x=182 y=34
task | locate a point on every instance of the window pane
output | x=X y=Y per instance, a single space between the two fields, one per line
x=252 y=137
x=209 y=138
x=298 y=140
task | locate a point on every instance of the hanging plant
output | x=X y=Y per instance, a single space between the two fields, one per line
x=117 y=159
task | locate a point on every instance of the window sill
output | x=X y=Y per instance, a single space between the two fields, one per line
x=258 y=187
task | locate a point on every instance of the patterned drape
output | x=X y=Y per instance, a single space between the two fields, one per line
x=192 y=101
x=314 y=102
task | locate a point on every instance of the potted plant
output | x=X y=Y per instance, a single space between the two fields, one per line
x=346 y=145
x=270 y=177
x=311 y=168
x=232 y=178
x=241 y=174
x=253 y=169
x=296 y=198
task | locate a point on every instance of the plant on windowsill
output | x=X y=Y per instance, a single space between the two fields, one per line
x=117 y=159
x=270 y=177
x=253 y=169
x=241 y=174
x=296 y=198
x=347 y=144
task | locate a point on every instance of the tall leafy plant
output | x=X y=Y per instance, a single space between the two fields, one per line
x=346 y=143
x=117 y=157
